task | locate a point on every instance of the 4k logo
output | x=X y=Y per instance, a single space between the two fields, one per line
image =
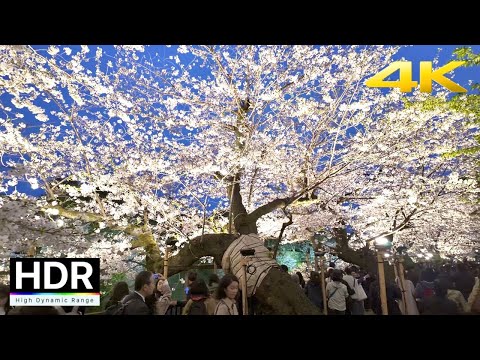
x=427 y=75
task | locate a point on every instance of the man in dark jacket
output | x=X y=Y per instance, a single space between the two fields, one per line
x=135 y=302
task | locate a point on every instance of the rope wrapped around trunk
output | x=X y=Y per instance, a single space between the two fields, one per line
x=258 y=265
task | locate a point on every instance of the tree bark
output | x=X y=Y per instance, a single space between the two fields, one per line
x=242 y=222
x=212 y=245
x=279 y=240
x=277 y=294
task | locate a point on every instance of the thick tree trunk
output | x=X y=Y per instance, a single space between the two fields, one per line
x=278 y=293
x=243 y=224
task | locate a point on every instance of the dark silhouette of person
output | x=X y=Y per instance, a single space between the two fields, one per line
x=135 y=302
x=120 y=290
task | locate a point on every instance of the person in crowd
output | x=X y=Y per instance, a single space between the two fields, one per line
x=439 y=304
x=200 y=303
x=410 y=306
x=284 y=268
x=213 y=281
x=302 y=280
x=413 y=275
x=337 y=294
x=367 y=280
x=313 y=289
x=4 y=299
x=454 y=295
x=120 y=290
x=393 y=295
x=226 y=293
x=163 y=296
x=463 y=280
x=144 y=287
x=191 y=277
x=328 y=274
x=356 y=306
x=425 y=287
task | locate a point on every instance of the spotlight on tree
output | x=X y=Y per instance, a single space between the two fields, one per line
x=384 y=243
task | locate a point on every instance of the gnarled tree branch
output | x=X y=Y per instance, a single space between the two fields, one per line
x=212 y=245
x=284 y=226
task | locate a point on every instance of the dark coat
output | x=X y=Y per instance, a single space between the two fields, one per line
x=314 y=293
x=393 y=293
x=136 y=305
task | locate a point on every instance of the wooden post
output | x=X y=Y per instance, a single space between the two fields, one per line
x=401 y=286
x=401 y=271
x=32 y=250
x=324 y=290
x=307 y=258
x=165 y=262
x=244 y=287
x=381 y=282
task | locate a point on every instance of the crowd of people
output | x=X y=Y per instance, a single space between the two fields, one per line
x=153 y=296
x=446 y=290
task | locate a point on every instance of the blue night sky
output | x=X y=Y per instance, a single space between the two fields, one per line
x=415 y=54
x=418 y=53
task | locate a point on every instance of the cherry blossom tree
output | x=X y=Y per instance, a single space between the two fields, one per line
x=417 y=192
x=208 y=142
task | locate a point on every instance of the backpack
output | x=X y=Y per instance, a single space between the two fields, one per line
x=198 y=308
x=118 y=308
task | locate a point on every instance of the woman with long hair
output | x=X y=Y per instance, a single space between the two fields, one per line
x=226 y=293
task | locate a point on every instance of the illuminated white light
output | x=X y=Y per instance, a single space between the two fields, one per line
x=429 y=254
x=420 y=255
x=51 y=211
x=381 y=241
x=387 y=255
